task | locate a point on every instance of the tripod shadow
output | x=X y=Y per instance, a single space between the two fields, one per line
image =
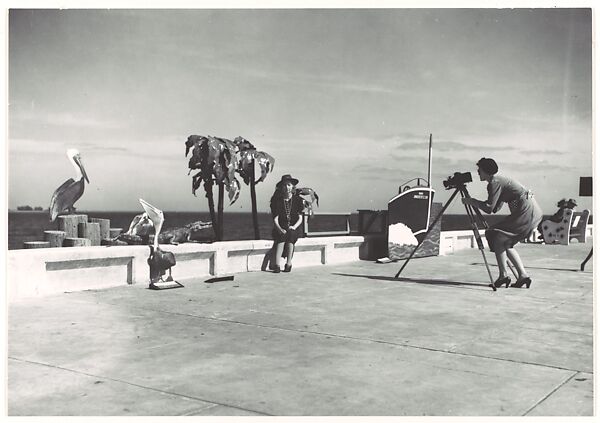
x=427 y=281
x=532 y=267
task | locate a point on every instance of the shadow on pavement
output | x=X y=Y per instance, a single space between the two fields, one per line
x=414 y=280
x=533 y=267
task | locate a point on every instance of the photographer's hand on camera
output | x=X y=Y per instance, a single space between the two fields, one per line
x=468 y=201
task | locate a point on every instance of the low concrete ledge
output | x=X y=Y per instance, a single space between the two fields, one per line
x=39 y=272
x=43 y=271
x=451 y=241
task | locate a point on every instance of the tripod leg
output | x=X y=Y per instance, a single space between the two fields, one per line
x=488 y=270
x=470 y=212
x=586 y=259
x=438 y=217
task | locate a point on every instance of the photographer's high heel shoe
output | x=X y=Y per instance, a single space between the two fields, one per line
x=520 y=282
x=502 y=281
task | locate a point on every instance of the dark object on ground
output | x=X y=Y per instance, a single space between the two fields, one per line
x=219 y=279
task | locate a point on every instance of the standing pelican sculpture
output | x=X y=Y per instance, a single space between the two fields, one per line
x=71 y=190
x=159 y=261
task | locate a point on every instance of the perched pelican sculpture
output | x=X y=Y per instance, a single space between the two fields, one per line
x=159 y=261
x=71 y=190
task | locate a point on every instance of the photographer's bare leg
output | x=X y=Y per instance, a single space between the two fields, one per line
x=515 y=259
x=501 y=259
x=501 y=256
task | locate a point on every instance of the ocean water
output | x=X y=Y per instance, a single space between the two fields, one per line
x=30 y=225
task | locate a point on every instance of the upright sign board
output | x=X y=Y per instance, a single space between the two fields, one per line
x=409 y=216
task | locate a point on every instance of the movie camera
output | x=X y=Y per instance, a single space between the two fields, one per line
x=457 y=180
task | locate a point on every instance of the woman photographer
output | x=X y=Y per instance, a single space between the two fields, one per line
x=525 y=215
x=286 y=209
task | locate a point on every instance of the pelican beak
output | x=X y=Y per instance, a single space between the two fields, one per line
x=77 y=159
x=154 y=214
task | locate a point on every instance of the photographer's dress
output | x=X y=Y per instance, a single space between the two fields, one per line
x=525 y=213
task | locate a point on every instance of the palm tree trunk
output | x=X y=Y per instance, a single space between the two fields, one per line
x=211 y=207
x=254 y=211
x=220 y=210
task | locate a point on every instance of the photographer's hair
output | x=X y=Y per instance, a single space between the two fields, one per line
x=489 y=166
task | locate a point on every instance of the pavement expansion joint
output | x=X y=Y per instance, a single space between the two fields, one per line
x=162 y=391
x=378 y=341
x=556 y=388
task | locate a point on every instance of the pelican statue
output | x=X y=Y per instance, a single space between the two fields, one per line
x=159 y=261
x=71 y=190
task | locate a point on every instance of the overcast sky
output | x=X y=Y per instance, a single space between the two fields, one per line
x=344 y=100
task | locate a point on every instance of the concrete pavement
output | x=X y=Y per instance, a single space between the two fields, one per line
x=327 y=340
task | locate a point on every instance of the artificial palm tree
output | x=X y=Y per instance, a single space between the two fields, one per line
x=249 y=158
x=216 y=160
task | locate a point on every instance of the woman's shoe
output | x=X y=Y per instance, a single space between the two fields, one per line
x=277 y=269
x=287 y=268
x=520 y=282
x=502 y=281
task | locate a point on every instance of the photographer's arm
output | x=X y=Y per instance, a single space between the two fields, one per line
x=492 y=204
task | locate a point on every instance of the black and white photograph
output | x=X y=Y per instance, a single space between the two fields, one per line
x=299 y=209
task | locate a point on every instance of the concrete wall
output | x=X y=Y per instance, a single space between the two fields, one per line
x=44 y=271
x=451 y=241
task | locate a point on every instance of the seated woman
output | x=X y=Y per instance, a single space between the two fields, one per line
x=286 y=209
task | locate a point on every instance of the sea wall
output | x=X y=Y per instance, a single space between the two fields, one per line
x=45 y=271
x=451 y=241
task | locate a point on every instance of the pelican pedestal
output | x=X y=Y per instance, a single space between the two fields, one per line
x=90 y=231
x=104 y=226
x=36 y=244
x=76 y=242
x=70 y=224
x=55 y=238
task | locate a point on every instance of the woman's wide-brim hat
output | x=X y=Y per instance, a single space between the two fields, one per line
x=571 y=203
x=287 y=178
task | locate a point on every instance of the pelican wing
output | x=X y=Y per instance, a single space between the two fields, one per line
x=140 y=225
x=65 y=196
x=309 y=192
